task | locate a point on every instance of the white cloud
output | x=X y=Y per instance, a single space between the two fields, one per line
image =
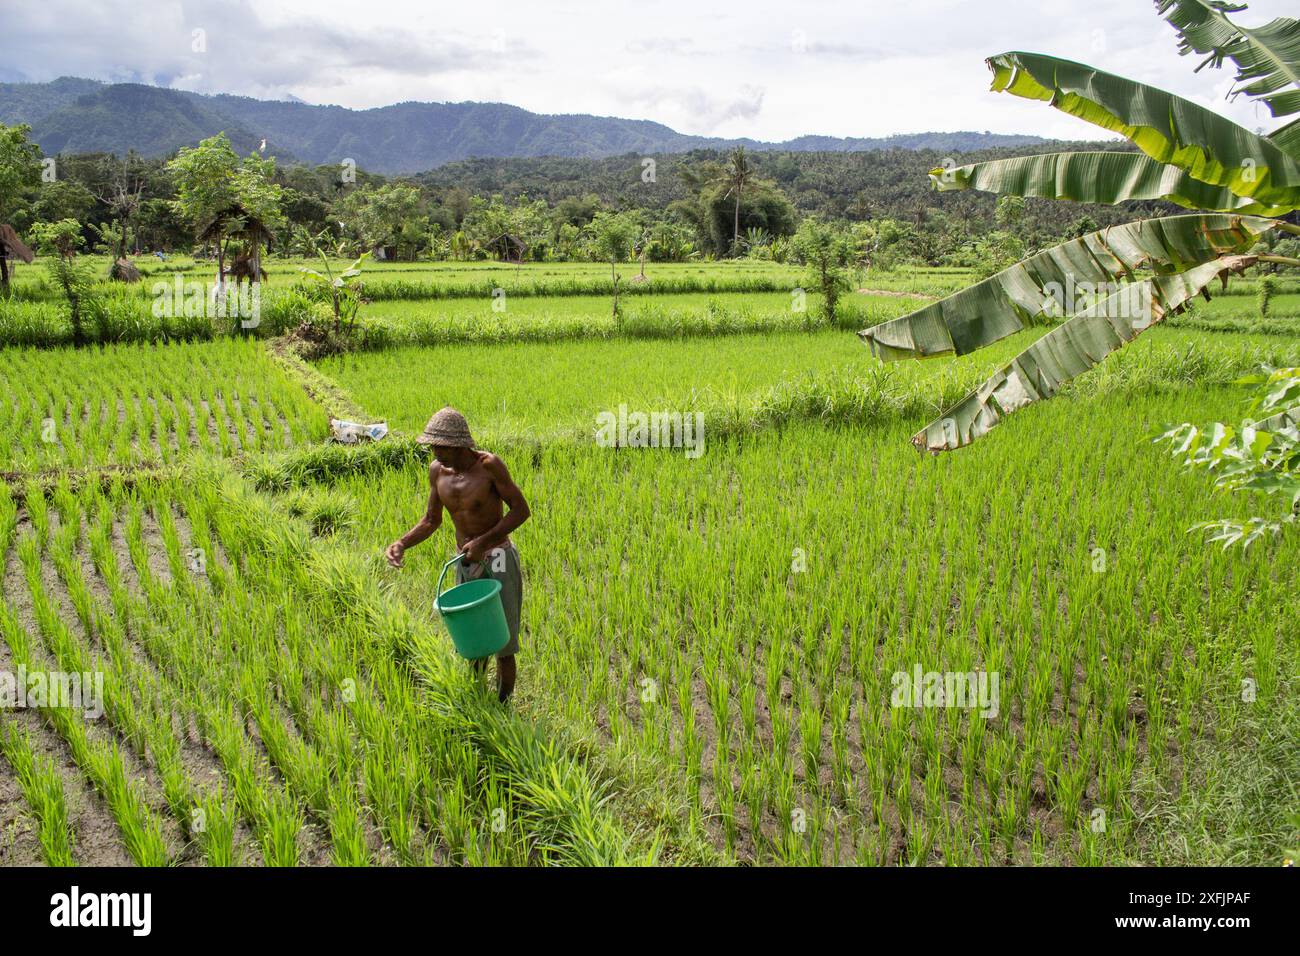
x=707 y=109
x=770 y=70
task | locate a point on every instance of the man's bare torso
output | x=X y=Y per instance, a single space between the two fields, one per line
x=470 y=497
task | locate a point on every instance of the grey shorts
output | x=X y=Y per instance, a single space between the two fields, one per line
x=502 y=564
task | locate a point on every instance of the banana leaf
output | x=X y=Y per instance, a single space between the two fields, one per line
x=1267 y=57
x=1070 y=350
x=1040 y=288
x=1101 y=177
x=1287 y=139
x=1167 y=128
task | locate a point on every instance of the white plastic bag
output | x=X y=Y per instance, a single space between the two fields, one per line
x=354 y=433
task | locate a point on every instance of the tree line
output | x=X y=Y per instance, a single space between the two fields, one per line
x=676 y=207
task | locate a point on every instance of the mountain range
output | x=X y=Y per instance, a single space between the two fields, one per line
x=75 y=115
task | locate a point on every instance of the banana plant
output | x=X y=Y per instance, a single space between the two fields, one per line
x=344 y=288
x=1262 y=454
x=1107 y=287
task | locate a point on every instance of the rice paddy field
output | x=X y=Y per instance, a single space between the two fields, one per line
x=395 y=279
x=480 y=302
x=712 y=644
x=519 y=390
x=135 y=405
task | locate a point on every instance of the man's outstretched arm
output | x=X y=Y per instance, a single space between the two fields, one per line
x=426 y=526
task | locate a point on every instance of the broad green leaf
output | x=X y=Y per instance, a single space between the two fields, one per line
x=1270 y=483
x=1267 y=57
x=1070 y=350
x=1284 y=396
x=1167 y=128
x=1280 y=422
x=1287 y=139
x=1272 y=377
x=1193 y=441
x=1190 y=437
x=1256 y=441
x=1048 y=285
x=1101 y=177
x=1220 y=435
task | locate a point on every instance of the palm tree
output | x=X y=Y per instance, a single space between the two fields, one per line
x=736 y=175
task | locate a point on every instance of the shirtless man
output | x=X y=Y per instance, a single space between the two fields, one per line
x=475 y=488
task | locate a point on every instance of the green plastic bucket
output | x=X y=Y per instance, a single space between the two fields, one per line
x=473 y=614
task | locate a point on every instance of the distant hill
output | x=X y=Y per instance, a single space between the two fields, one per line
x=84 y=116
x=30 y=102
x=152 y=121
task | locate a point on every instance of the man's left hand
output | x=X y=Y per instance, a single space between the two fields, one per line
x=476 y=550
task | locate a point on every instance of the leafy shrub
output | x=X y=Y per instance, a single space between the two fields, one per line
x=283 y=310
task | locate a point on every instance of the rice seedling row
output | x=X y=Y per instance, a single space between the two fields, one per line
x=134 y=405
x=42 y=788
x=711 y=615
x=551 y=390
x=245 y=729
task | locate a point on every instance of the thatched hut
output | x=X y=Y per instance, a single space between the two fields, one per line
x=237 y=223
x=11 y=247
x=508 y=248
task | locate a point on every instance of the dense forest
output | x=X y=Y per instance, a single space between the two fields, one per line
x=664 y=207
x=875 y=184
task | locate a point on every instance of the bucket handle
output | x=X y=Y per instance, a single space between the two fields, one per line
x=437 y=591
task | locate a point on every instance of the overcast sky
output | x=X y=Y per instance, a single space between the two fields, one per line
x=770 y=70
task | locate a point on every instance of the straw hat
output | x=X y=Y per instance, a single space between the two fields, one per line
x=447 y=427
